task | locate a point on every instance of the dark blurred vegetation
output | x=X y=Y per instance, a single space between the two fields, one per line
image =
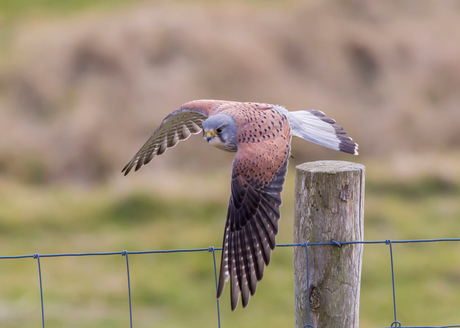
x=83 y=84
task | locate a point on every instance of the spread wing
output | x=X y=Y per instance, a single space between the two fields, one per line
x=177 y=126
x=252 y=217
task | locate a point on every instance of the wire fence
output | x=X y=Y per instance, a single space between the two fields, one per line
x=212 y=249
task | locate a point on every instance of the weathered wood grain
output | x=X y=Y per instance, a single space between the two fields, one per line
x=329 y=204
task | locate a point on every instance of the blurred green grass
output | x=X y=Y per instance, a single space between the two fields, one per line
x=14 y=9
x=178 y=289
x=11 y=10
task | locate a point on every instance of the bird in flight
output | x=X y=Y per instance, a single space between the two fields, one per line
x=260 y=134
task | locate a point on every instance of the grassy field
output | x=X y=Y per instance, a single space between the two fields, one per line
x=178 y=289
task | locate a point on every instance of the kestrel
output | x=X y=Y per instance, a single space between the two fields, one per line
x=260 y=134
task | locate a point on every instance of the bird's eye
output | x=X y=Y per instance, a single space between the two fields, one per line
x=219 y=130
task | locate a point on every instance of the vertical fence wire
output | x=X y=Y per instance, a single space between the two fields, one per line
x=125 y=253
x=395 y=323
x=211 y=249
x=37 y=257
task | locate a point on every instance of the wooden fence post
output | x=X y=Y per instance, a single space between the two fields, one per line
x=329 y=205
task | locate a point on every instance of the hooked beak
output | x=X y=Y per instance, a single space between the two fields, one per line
x=209 y=136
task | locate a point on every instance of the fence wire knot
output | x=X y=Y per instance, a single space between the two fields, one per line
x=124 y=253
x=36 y=256
x=304 y=244
x=335 y=242
x=387 y=242
x=395 y=324
x=211 y=248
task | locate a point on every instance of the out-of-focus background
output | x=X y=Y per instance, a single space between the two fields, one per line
x=84 y=83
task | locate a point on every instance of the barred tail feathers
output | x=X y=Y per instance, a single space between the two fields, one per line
x=314 y=126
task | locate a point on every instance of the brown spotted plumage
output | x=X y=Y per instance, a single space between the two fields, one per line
x=260 y=134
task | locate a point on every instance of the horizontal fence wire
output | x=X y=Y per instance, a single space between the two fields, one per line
x=212 y=249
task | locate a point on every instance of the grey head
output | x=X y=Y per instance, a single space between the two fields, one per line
x=220 y=131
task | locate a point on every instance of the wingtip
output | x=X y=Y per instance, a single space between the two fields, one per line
x=126 y=169
x=245 y=302
x=219 y=292
x=234 y=305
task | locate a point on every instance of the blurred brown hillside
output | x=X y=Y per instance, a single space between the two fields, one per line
x=78 y=97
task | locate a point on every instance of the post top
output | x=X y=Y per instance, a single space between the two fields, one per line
x=330 y=166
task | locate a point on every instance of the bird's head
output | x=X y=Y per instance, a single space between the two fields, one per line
x=220 y=131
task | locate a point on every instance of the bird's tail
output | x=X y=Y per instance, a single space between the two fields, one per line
x=314 y=126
